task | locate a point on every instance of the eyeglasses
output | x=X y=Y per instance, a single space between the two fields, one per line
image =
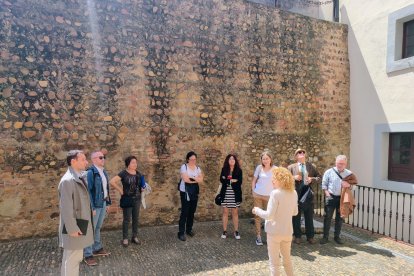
x=102 y=157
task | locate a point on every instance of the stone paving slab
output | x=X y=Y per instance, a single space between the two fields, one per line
x=161 y=253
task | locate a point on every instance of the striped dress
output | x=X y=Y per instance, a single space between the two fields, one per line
x=229 y=199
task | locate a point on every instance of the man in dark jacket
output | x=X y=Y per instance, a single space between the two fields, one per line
x=304 y=173
x=98 y=186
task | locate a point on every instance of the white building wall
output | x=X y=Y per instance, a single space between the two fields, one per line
x=381 y=102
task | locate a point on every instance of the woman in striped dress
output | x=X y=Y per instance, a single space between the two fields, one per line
x=231 y=179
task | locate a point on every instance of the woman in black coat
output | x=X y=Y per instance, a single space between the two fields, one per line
x=231 y=179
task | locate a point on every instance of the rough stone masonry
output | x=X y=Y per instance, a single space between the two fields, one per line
x=156 y=79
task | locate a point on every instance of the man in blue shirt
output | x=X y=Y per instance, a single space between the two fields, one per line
x=332 y=184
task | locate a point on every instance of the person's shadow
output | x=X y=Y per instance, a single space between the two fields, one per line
x=307 y=251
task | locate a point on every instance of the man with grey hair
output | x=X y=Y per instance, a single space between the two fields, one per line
x=75 y=227
x=332 y=184
x=98 y=187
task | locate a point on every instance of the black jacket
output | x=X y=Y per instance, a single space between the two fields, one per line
x=236 y=186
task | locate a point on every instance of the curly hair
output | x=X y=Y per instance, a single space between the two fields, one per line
x=284 y=178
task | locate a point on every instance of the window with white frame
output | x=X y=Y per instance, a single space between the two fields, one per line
x=393 y=164
x=400 y=46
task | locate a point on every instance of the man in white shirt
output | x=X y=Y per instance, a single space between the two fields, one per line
x=99 y=194
x=332 y=184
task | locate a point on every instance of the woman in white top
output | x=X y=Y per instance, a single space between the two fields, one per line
x=191 y=176
x=278 y=226
x=261 y=189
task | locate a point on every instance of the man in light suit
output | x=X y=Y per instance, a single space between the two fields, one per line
x=305 y=174
x=75 y=227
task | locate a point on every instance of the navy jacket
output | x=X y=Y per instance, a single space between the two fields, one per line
x=96 y=192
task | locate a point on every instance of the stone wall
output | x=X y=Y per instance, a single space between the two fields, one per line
x=158 y=78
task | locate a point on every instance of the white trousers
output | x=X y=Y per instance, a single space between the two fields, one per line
x=277 y=245
x=70 y=262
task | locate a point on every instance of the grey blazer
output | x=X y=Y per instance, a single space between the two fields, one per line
x=74 y=203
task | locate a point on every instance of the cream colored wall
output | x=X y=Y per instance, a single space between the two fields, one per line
x=376 y=97
x=326 y=12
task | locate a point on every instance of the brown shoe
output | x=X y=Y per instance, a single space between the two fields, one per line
x=311 y=241
x=101 y=252
x=90 y=261
x=297 y=240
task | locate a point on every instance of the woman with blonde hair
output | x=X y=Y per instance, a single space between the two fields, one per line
x=278 y=215
x=261 y=188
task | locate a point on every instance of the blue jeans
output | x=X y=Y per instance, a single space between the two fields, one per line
x=98 y=219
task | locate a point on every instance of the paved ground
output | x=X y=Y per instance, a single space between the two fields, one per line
x=161 y=253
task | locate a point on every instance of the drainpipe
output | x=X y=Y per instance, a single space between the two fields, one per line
x=336 y=10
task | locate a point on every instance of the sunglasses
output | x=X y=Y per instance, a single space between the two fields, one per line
x=301 y=152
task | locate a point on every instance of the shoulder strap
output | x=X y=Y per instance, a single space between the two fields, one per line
x=137 y=178
x=337 y=173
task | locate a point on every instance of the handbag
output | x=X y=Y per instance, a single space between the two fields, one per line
x=178 y=185
x=306 y=200
x=217 y=199
x=127 y=201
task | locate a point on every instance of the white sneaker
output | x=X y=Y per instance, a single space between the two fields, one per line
x=259 y=241
x=237 y=235
x=224 y=235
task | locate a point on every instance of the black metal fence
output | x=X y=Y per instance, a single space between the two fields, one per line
x=380 y=211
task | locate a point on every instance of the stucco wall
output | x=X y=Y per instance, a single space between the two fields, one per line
x=380 y=102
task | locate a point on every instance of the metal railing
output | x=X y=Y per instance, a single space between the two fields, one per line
x=380 y=211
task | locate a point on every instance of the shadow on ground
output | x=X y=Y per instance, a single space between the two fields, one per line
x=161 y=253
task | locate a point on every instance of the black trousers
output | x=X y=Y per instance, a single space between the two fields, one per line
x=332 y=204
x=309 y=228
x=128 y=213
x=188 y=208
